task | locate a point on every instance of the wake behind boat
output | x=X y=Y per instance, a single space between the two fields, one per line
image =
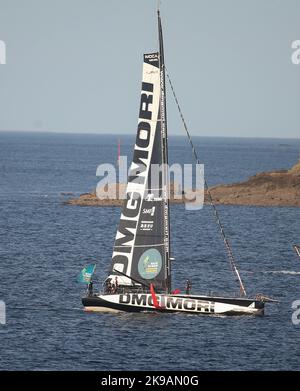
x=140 y=274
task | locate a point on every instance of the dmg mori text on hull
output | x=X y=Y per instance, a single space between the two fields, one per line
x=192 y=304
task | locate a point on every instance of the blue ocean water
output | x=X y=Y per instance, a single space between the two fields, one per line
x=44 y=244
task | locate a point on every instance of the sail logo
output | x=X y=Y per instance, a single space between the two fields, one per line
x=150 y=211
x=152 y=59
x=2 y=53
x=150 y=264
x=153 y=55
x=147 y=225
x=296 y=53
x=123 y=249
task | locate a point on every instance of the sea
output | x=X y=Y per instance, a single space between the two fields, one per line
x=44 y=244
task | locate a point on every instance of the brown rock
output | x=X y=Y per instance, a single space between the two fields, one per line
x=278 y=188
x=114 y=196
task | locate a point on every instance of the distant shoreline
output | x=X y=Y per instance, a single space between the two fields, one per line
x=132 y=135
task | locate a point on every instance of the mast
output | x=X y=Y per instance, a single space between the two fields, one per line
x=119 y=152
x=164 y=144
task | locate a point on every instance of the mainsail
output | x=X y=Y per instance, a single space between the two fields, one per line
x=141 y=248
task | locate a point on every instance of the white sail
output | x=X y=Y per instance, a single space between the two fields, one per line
x=137 y=234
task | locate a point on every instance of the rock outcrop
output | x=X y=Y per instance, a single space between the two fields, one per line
x=278 y=188
x=115 y=195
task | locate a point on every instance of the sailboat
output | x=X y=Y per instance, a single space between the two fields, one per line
x=140 y=274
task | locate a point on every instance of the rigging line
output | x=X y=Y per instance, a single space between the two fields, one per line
x=216 y=213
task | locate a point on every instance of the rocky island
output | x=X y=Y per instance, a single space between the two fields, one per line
x=116 y=195
x=278 y=188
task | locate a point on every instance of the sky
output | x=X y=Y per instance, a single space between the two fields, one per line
x=76 y=65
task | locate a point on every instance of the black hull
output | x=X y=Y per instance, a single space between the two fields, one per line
x=171 y=303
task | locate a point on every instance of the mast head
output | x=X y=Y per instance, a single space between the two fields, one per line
x=158 y=5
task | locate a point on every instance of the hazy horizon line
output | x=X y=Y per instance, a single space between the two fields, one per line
x=133 y=134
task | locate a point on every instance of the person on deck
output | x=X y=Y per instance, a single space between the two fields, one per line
x=188 y=287
x=108 y=287
x=113 y=288
x=90 y=288
x=116 y=285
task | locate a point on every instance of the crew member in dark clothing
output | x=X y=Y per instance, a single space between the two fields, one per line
x=90 y=288
x=108 y=287
x=116 y=285
x=188 y=287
